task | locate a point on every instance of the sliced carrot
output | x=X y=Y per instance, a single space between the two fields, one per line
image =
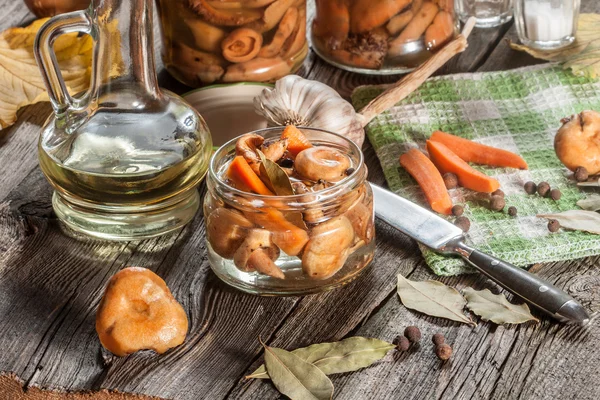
x=478 y=153
x=296 y=140
x=446 y=161
x=240 y=172
x=287 y=236
x=429 y=179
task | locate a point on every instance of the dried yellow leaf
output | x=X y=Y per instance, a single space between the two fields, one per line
x=21 y=83
x=583 y=55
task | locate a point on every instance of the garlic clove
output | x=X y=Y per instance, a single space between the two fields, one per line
x=303 y=102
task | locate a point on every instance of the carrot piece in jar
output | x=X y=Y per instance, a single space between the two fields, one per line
x=296 y=140
x=440 y=31
x=240 y=171
x=287 y=236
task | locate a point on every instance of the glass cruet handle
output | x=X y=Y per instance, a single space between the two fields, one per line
x=78 y=21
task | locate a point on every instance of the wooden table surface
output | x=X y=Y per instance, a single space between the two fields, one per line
x=51 y=283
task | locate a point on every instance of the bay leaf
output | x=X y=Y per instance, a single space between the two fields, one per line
x=496 y=308
x=577 y=220
x=347 y=355
x=591 y=203
x=433 y=298
x=296 y=378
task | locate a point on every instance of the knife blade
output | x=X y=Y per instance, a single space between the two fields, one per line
x=440 y=235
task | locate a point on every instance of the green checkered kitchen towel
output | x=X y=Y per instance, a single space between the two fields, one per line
x=518 y=110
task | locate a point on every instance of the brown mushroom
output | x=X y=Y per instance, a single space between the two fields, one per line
x=360 y=215
x=226 y=230
x=322 y=163
x=246 y=147
x=275 y=150
x=311 y=215
x=258 y=253
x=328 y=248
x=139 y=312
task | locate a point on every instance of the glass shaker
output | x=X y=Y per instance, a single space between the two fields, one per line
x=488 y=13
x=381 y=37
x=546 y=24
x=208 y=42
x=124 y=157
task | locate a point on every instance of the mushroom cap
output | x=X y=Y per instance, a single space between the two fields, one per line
x=246 y=147
x=322 y=163
x=139 y=312
x=328 y=248
x=256 y=239
x=225 y=230
x=577 y=142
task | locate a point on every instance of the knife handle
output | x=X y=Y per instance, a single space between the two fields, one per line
x=528 y=286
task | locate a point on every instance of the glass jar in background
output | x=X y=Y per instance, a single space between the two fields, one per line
x=208 y=42
x=50 y=8
x=489 y=13
x=314 y=241
x=546 y=24
x=381 y=37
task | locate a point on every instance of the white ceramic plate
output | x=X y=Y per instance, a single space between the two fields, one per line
x=228 y=109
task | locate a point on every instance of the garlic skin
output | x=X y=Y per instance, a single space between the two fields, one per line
x=302 y=102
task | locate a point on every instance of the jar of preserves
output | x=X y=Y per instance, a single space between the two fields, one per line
x=381 y=36
x=212 y=41
x=315 y=235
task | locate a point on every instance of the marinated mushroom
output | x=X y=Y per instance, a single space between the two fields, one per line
x=287 y=236
x=322 y=163
x=226 y=230
x=258 y=253
x=328 y=248
x=139 y=312
x=246 y=147
x=274 y=150
x=361 y=218
x=577 y=142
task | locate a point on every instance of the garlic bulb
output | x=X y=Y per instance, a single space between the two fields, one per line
x=302 y=102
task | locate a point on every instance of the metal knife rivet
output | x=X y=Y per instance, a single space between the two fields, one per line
x=543 y=289
x=495 y=262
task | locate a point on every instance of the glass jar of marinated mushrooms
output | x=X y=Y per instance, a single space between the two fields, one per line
x=214 y=41
x=288 y=213
x=381 y=36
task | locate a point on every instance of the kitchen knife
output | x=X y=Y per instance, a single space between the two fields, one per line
x=440 y=235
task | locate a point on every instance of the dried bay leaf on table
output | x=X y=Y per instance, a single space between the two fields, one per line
x=433 y=298
x=347 y=355
x=583 y=55
x=296 y=378
x=591 y=203
x=577 y=220
x=496 y=308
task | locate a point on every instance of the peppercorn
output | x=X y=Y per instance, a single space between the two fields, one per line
x=553 y=225
x=458 y=210
x=438 y=339
x=402 y=343
x=286 y=163
x=498 y=192
x=581 y=174
x=512 y=211
x=530 y=187
x=555 y=194
x=413 y=334
x=450 y=180
x=349 y=171
x=443 y=351
x=543 y=188
x=463 y=223
x=497 y=203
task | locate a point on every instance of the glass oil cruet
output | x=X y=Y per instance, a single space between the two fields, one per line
x=124 y=157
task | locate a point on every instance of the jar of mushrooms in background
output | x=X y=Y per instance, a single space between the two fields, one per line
x=318 y=236
x=381 y=36
x=212 y=41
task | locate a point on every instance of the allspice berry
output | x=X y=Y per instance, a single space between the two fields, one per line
x=497 y=203
x=450 y=180
x=555 y=194
x=463 y=223
x=413 y=334
x=443 y=351
x=498 y=192
x=401 y=342
x=543 y=188
x=530 y=187
x=512 y=211
x=458 y=210
x=438 y=339
x=553 y=225
x=581 y=174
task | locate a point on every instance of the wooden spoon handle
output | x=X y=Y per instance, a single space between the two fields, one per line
x=412 y=81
